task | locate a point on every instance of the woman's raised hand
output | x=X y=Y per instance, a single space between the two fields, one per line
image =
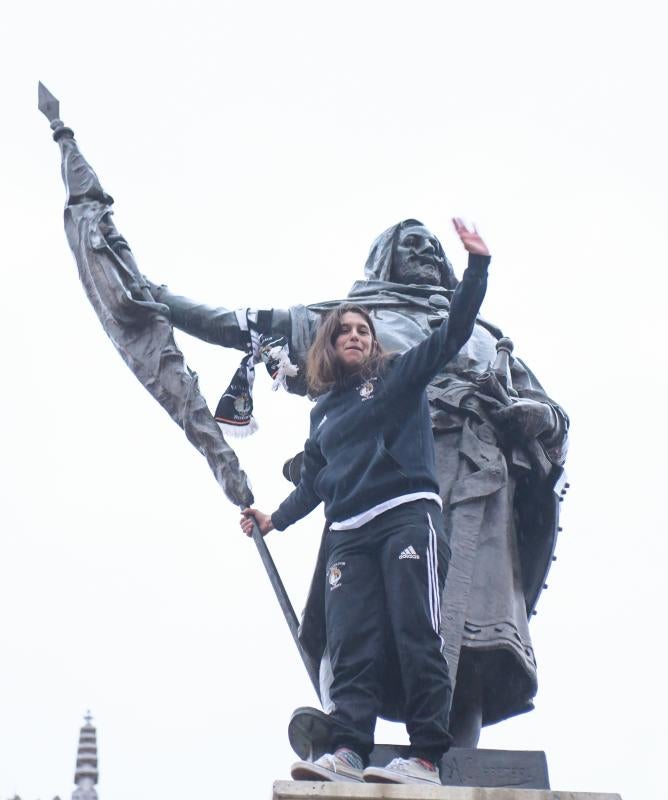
x=264 y=522
x=471 y=239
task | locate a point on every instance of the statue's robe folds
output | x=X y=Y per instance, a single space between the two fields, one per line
x=499 y=504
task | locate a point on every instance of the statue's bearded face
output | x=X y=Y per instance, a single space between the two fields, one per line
x=417 y=257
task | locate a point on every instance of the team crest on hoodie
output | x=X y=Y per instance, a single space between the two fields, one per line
x=367 y=389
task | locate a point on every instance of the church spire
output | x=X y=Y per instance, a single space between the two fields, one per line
x=86 y=773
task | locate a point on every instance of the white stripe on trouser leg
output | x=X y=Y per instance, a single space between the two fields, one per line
x=435 y=599
x=430 y=578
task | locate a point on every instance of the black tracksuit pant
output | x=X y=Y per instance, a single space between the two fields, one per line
x=389 y=574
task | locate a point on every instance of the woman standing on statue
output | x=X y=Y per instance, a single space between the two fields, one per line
x=370 y=459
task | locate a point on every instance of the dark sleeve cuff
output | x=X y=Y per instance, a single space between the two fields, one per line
x=278 y=521
x=478 y=264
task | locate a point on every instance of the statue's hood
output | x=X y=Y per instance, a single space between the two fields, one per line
x=379 y=262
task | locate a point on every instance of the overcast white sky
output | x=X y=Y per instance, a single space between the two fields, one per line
x=254 y=151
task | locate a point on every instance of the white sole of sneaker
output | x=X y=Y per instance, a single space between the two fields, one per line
x=307 y=771
x=380 y=775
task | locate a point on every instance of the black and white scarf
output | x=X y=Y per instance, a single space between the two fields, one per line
x=234 y=411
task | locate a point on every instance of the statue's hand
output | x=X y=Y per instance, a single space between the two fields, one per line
x=471 y=240
x=526 y=419
x=148 y=284
x=264 y=522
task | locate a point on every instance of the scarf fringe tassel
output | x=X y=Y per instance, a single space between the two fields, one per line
x=239 y=431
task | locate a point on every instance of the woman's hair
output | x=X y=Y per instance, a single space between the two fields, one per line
x=323 y=368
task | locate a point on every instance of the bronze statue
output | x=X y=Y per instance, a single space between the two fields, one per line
x=500 y=440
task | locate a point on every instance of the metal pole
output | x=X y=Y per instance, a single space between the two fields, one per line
x=285 y=604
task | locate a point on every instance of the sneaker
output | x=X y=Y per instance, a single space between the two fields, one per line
x=404 y=770
x=343 y=765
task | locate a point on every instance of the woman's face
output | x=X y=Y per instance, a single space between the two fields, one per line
x=354 y=343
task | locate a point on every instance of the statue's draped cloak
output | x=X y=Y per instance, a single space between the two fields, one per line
x=504 y=511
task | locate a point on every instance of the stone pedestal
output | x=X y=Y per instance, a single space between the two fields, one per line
x=310 y=735
x=305 y=790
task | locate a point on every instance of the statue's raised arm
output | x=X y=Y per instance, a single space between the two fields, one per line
x=219 y=325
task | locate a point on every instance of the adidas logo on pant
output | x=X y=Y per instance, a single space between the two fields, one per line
x=409 y=552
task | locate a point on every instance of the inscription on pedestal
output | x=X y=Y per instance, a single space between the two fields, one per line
x=523 y=769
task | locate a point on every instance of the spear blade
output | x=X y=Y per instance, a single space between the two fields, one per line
x=47 y=103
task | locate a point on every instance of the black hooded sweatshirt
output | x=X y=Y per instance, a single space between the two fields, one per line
x=371 y=440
